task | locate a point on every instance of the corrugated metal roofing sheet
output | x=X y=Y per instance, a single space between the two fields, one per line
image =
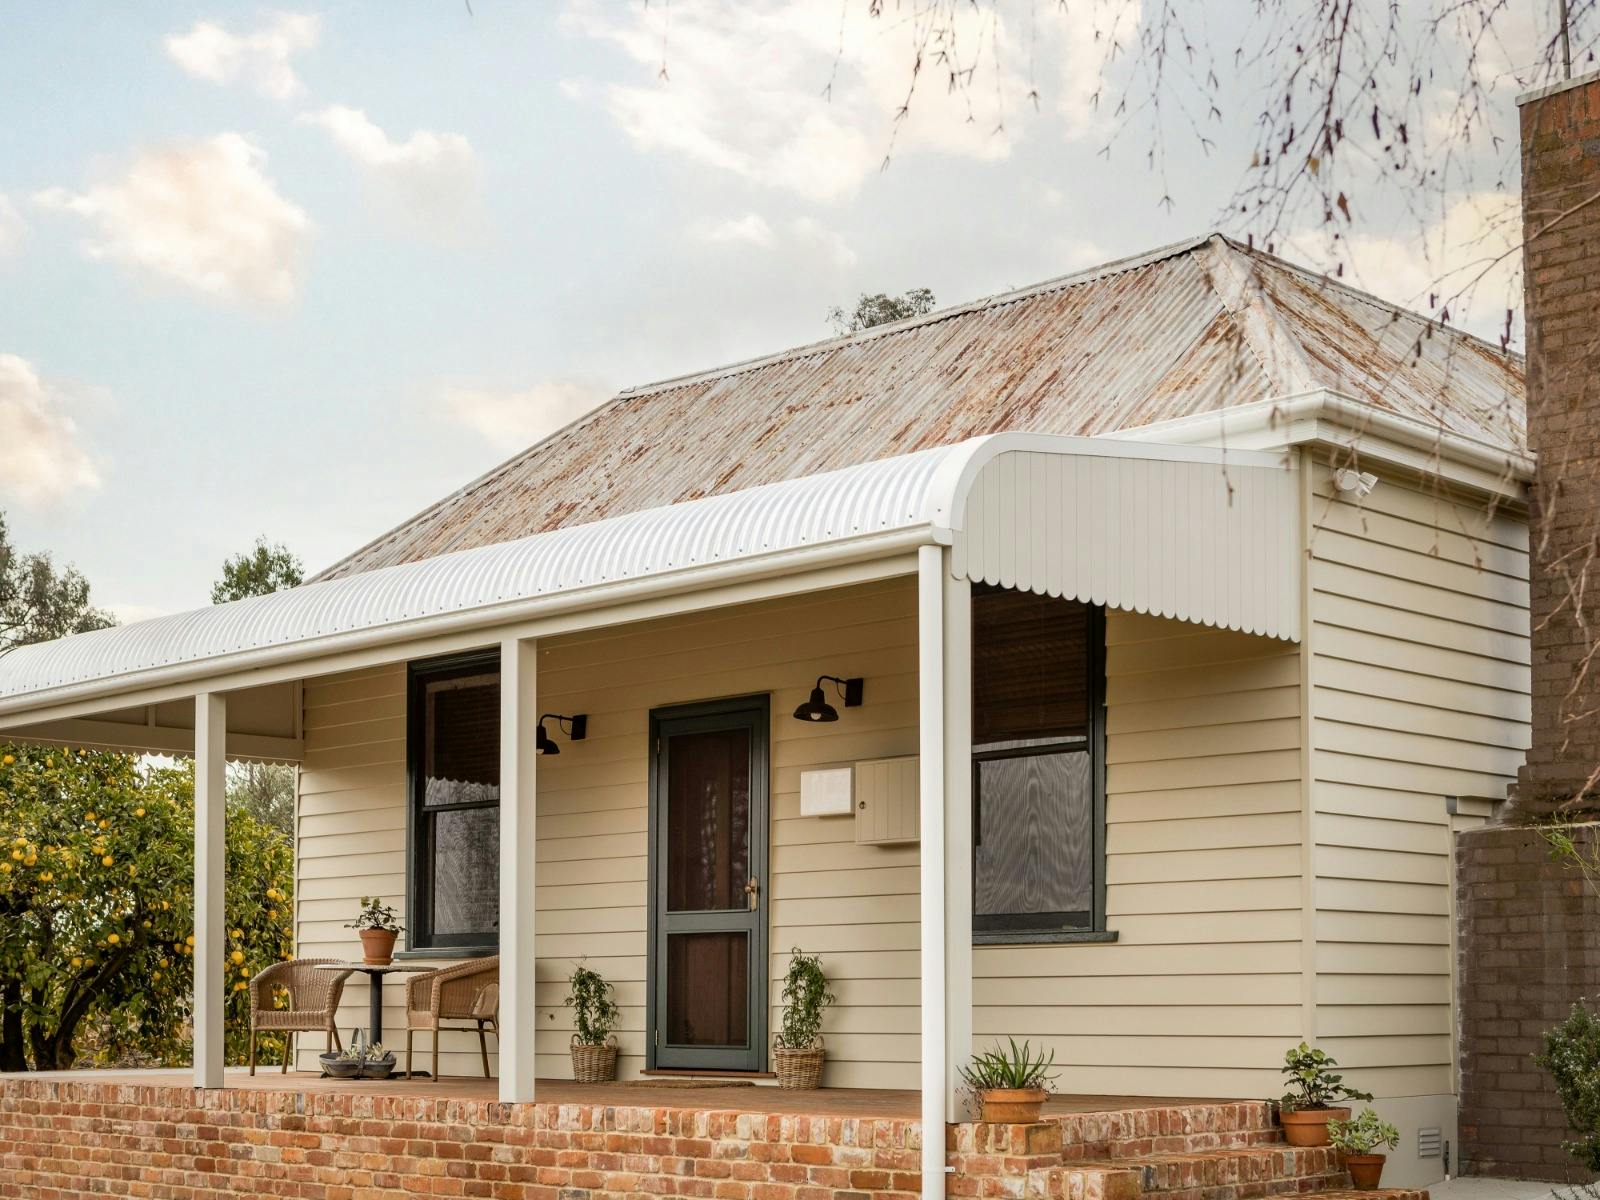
x=875 y=508
x=835 y=507
x=1166 y=335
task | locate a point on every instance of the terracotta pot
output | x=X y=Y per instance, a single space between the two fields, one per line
x=1365 y=1169
x=1012 y=1106
x=377 y=946
x=1309 y=1126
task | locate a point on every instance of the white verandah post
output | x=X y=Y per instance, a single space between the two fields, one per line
x=519 y=719
x=945 y=736
x=210 y=858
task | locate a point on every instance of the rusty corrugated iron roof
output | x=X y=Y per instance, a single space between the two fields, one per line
x=1192 y=328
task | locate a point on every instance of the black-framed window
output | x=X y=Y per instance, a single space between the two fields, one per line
x=453 y=753
x=1038 y=794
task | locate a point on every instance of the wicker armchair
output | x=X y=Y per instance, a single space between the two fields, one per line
x=313 y=1002
x=467 y=992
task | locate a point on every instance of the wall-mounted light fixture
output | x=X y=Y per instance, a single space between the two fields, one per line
x=1359 y=482
x=817 y=708
x=577 y=728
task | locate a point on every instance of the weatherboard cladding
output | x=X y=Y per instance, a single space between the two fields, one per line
x=1189 y=329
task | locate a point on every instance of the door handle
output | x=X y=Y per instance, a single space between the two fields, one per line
x=751 y=891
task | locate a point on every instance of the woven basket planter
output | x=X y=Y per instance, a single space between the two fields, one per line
x=593 y=1064
x=799 y=1069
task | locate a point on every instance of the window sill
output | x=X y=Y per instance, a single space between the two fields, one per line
x=451 y=952
x=1031 y=937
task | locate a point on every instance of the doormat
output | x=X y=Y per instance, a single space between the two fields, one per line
x=689 y=1083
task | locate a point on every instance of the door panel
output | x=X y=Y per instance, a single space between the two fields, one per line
x=708 y=849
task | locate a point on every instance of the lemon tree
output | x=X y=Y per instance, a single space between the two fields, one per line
x=96 y=910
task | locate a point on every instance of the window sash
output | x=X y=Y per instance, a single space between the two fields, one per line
x=1090 y=740
x=421 y=851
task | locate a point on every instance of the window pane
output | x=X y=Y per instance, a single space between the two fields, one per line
x=1030 y=672
x=461 y=736
x=466 y=871
x=1035 y=852
x=708 y=820
x=708 y=983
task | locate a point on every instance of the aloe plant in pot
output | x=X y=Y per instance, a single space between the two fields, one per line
x=797 y=1050
x=595 y=1013
x=1357 y=1139
x=1313 y=1096
x=1010 y=1082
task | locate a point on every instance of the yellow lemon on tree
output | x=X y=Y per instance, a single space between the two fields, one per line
x=46 y=876
x=113 y=938
x=238 y=933
x=9 y=759
x=89 y=817
x=237 y=956
x=77 y=962
x=107 y=861
x=189 y=941
x=138 y=812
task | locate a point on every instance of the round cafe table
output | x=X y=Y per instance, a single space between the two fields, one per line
x=374 y=976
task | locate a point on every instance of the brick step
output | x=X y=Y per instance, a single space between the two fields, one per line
x=1174 y=1129
x=1223 y=1174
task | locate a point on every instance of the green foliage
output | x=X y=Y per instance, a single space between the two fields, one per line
x=265 y=791
x=593 y=1004
x=1012 y=1066
x=1312 y=1083
x=805 y=998
x=880 y=309
x=267 y=568
x=1572 y=1056
x=375 y=914
x=1362 y=1133
x=96 y=910
x=39 y=602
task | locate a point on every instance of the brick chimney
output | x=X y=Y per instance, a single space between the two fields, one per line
x=1528 y=928
x=1561 y=232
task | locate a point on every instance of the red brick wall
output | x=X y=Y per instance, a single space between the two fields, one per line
x=1530 y=946
x=70 y=1138
x=1561 y=258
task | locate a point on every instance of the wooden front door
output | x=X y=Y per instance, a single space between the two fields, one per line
x=708 y=859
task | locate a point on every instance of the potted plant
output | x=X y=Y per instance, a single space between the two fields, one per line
x=378 y=925
x=594 y=1010
x=1010 y=1083
x=797 y=1050
x=1357 y=1139
x=359 y=1060
x=1313 y=1096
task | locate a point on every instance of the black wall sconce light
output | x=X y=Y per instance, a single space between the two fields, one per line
x=817 y=707
x=577 y=728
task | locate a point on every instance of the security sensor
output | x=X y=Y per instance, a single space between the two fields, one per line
x=1359 y=482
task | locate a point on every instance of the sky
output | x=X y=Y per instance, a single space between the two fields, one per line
x=299 y=272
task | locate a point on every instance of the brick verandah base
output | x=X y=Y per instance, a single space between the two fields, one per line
x=61 y=1138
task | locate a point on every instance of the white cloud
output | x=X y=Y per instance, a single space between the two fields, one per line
x=201 y=214
x=744 y=92
x=262 y=58
x=751 y=230
x=12 y=226
x=818 y=238
x=1467 y=261
x=127 y=614
x=514 y=419
x=44 y=459
x=436 y=177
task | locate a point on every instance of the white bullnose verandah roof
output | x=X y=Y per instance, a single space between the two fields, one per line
x=1189 y=532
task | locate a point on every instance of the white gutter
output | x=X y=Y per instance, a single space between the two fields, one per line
x=1334 y=419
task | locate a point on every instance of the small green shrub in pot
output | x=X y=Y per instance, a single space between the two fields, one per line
x=378 y=926
x=1313 y=1096
x=1356 y=1139
x=1011 y=1082
x=797 y=1050
x=1572 y=1056
x=595 y=1013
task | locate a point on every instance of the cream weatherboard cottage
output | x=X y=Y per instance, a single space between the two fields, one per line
x=1188 y=602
